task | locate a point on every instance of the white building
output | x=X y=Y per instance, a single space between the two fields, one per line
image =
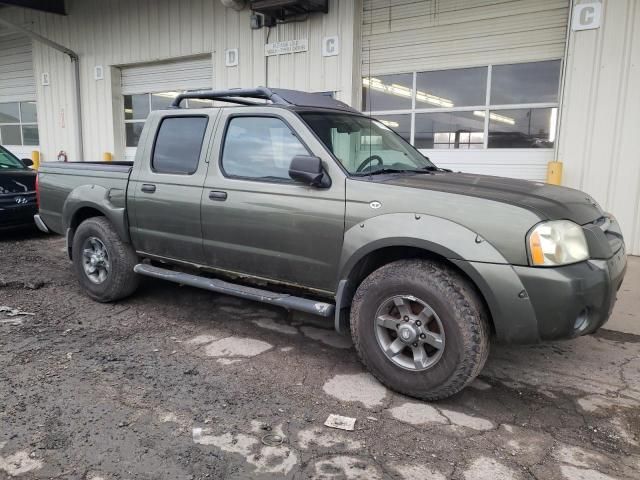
x=500 y=87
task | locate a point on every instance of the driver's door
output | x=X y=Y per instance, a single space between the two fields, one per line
x=255 y=219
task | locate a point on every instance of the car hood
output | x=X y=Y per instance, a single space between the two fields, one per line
x=548 y=201
x=17 y=181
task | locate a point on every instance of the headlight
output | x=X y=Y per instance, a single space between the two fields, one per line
x=557 y=242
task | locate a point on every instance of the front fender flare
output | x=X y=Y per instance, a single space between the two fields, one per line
x=435 y=234
x=427 y=232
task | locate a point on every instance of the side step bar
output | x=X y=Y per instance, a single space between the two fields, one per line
x=265 y=296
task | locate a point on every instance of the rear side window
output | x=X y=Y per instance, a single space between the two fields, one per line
x=260 y=148
x=178 y=145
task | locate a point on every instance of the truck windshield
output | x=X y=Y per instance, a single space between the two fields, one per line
x=365 y=146
x=9 y=161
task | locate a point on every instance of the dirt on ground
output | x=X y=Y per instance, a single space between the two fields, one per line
x=178 y=383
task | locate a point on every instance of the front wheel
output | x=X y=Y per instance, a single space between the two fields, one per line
x=421 y=328
x=103 y=262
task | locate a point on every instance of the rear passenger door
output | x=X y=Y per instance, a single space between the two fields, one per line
x=167 y=187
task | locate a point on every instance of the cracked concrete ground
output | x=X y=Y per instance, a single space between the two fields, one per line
x=176 y=383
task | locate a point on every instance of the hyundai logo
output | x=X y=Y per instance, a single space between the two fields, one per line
x=21 y=200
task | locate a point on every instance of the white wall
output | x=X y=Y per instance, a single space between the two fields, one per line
x=600 y=122
x=113 y=33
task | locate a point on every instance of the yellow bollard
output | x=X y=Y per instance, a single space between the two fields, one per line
x=107 y=157
x=554 y=173
x=35 y=158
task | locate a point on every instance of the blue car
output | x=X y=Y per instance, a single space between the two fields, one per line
x=18 y=202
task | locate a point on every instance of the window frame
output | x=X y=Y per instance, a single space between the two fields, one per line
x=155 y=141
x=21 y=124
x=149 y=96
x=487 y=108
x=254 y=179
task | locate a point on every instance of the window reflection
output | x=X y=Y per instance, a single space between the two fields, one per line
x=387 y=92
x=448 y=130
x=525 y=83
x=452 y=88
x=401 y=124
x=522 y=128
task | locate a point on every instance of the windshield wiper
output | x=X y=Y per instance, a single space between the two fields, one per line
x=381 y=171
x=433 y=168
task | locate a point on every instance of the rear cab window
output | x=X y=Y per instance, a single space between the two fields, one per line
x=178 y=145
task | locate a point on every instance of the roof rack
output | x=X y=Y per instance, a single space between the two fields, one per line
x=234 y=95
x=277 y=96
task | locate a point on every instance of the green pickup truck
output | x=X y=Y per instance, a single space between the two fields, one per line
x=297 y=200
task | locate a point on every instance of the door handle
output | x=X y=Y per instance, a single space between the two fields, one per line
x=216 y=195
x=148 y=188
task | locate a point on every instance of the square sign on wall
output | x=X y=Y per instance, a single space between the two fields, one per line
x=586 y=16
x=330 y=46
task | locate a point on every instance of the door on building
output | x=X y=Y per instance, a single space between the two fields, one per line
x=153 y=86
x=255 y=219
x=18 y=109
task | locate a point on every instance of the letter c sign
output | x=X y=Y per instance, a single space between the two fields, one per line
x=586 y=16
x=330 y=46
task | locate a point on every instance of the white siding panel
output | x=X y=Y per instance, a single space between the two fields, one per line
x=17 y=82
x=600 y=121
x=187 y=74
x=527 y=164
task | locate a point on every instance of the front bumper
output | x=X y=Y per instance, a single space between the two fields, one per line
x=530 y=304
x=576 y=299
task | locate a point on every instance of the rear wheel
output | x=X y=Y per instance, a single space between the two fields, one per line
x=420 y=328
x=103 y=262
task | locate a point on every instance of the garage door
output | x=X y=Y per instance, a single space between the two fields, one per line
x=18 y=110
x=474 y=85
x=153 y=86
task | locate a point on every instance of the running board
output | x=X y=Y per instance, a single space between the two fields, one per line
x=219 y=286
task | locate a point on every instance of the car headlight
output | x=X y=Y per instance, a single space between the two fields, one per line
x=557 y=242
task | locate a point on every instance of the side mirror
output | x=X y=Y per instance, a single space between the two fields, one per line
x=307 y=169
x=27 y=162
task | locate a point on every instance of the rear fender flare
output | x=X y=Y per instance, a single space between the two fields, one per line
x=110 y=202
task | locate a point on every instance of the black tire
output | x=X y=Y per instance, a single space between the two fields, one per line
x=459 y=308
x=121 y=281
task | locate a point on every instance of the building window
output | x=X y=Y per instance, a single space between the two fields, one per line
x=494 y=106
x=19 y=124
x=138 y=106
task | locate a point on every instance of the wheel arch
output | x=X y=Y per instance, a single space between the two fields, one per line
x=368 y=246
x=378 y=257
x=88 y=201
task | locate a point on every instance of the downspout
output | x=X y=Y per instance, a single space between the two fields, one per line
x=76 y=71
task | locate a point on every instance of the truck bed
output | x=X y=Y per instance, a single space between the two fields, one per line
x=60 y=183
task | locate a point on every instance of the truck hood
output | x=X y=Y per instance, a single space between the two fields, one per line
x=17 y=181
x=548 y=201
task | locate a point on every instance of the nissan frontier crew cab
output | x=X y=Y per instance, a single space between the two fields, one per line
x=297 y=200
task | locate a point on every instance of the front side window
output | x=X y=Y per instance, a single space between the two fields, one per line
x=494 y=106
x=19 y=124
x=363 y=145
x=178 y=145
x=260 y=148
